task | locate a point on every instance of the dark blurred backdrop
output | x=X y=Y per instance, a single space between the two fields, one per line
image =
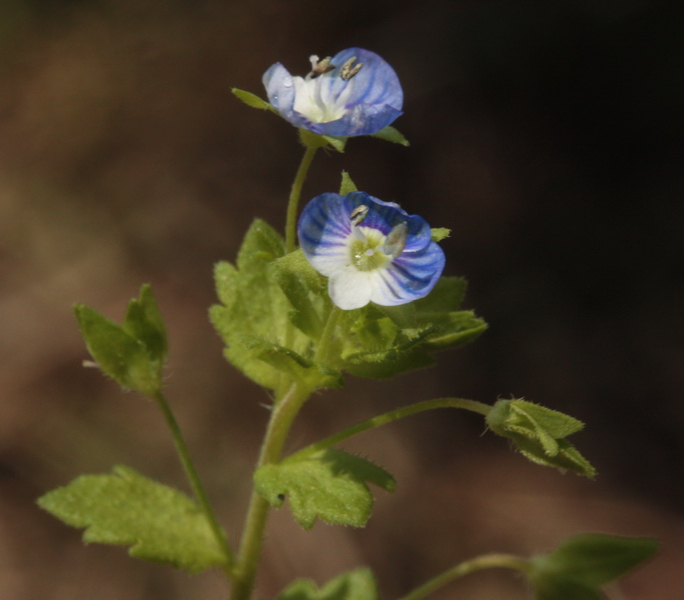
x=547 y=136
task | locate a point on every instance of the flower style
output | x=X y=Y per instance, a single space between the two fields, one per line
x=372 y=251
x=353 y=93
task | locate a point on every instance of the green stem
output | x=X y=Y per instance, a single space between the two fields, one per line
x=195 y=482
x=394 y=415
x=284 y=413
x=486 y=561
x=325 y=343
x=295 y=193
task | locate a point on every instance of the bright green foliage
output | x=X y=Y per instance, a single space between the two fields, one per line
x=267 y=290
x=440 y=233
x=539 y=433
x=583 y=563
x=380 y=342
x=316 y=140
x=159 y=523
x=390 y=134
x=253 y=100
x=262 y=294
x=330 y=484
x=358 y=584
x=133 y=353
x=347 y=186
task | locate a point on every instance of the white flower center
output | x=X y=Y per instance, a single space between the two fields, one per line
x=313 y=99
x=366 y=249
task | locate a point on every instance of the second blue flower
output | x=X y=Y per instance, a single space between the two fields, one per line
x=371 y=251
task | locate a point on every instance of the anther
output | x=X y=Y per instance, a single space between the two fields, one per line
x=358 y=214
x=320 y=67
x=347 y=71
x=395 y=242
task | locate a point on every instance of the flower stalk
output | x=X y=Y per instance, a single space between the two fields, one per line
x=486 y=561
x=296 y=192
x=194 y=480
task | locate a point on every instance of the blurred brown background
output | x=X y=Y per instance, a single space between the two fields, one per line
x=548 y=136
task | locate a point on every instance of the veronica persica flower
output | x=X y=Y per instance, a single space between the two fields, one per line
x=371 y=251
x=353 y=93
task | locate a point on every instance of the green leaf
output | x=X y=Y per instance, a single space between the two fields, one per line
x=330 y=485
x=159 y=523
x=253 y=100
x=336 y=142
x=305 y=290
x=374 y=346
x=133 y=354
x=564 y=589
x=300 y=369
x=446 y=296
x=253 y=305
x=358 y=584
x=390 y=134
x=440 y=233
x=595 y=558
x=539 y=434
x=145 y=323
x=347 y=186
x=315 y=140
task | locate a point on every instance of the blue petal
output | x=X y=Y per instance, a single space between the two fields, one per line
x=279 y=88
x=325 y=234
x=375 y=97
x=324 y=224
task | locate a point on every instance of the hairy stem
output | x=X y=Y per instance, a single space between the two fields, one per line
x=394 y=415
x=295 y=194
x=282 y=416
x=195 y=482
x=486 y=561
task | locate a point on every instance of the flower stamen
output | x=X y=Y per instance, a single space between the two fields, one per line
x=320 y=67
x=347 y=71
x=359 y=214
x=396 y=240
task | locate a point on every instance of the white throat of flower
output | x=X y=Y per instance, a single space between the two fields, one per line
x=314 y=93
x=369 y=248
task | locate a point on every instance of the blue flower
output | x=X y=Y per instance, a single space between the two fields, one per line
x=353 y=93
x=371 y=251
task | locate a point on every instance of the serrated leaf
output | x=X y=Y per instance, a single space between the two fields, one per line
x=159 y=523
x=330 y=485
x=347 y=186
x=453 y=329
x=303 y=288
x=296 y=366
x=446 y=296
x=374 y=346
x=539 y=434
x=358 y=584
x=253 y=100
x=253 y=304
x=391 y=134
x=133 y=353
x=439 y=233
x=145 y=323
x=595 y=559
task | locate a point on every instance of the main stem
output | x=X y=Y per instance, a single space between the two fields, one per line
x=295 y=194
x=194 y=480
x=486 y=561
x=284 y=412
